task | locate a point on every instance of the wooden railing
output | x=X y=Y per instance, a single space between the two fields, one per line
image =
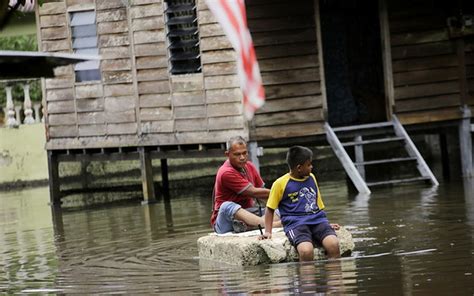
x=20 y=110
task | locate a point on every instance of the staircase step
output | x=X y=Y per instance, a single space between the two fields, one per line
x=362 y=126
x=398 y=181
x=380 y=161
x=364 y=142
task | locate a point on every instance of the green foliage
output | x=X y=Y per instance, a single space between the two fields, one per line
x=25 y=43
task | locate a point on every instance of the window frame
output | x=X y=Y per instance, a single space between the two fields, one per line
x=86 y=42
x=182 y=36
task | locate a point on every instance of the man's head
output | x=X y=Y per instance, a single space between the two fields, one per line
x=299 y=160
x=237 y=152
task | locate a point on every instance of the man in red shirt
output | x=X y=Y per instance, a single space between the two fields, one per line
x=237 y=185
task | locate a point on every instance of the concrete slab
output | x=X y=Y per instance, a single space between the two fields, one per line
x=245 y=249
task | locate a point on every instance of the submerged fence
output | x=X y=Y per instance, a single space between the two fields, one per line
x=19 y=109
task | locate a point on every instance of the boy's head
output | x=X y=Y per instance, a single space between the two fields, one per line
x=299 y=160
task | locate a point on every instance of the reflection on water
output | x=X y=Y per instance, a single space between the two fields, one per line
x=409 y=240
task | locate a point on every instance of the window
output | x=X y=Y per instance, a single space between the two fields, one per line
x=84 y=41
x=183 y=36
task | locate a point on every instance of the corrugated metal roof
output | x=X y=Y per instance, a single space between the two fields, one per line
x=28 y=64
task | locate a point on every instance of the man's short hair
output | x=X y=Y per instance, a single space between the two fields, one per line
x=298 y=155
x=234 y=140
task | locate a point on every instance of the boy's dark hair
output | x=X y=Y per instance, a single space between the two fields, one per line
x=298 y=155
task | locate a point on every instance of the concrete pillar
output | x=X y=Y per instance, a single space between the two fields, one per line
x=27 y=105
x=11 y=120
x=254 y=153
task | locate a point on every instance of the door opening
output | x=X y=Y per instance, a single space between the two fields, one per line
x=352 y=52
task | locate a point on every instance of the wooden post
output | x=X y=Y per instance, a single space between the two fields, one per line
x=164 y=178
x=465 y=142
x=386 y=58
x=53 y=173
x=58 y=224
x=254 y=153
x=463 y=84
x=322 y=74
x=443 y=145
x=84 y=179
x=465 y=137
x=359 y=156
x=146 y=169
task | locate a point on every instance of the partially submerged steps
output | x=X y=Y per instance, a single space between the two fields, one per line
x=385 y=135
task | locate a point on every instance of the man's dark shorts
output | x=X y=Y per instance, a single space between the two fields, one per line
x=310 y=233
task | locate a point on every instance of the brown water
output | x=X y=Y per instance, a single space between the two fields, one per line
x=410 y=240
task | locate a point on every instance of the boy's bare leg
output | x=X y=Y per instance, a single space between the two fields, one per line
x=331 y=245
x=305 y=251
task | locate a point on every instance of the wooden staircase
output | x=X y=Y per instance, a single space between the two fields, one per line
x=389 y=136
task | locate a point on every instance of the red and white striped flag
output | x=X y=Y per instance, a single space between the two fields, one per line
x=232 y=17
x=29 y=5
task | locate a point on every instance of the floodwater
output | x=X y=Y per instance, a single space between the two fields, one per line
x=410 y=240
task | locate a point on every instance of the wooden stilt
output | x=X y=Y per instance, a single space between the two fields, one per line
x=254 y=152
x=465 y=143
x=443 y=145
x=169 y=217
x=147 y=176
x=164 y=178
x=58 y=225
x=84 y=179
x=53 y=174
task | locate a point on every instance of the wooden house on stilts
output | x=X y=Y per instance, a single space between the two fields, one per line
x=350 y=72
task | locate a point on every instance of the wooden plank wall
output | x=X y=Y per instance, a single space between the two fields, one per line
x=60 y=110
x=138 y=102
x=219 y=70
x=284 y=36
x=425 y=63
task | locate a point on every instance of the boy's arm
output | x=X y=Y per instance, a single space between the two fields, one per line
x=268 y=223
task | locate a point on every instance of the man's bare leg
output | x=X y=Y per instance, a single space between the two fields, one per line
x=254 y=220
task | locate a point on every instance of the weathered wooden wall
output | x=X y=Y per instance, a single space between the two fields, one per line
x=425 y=62
x=138 y=102
x=285 y=40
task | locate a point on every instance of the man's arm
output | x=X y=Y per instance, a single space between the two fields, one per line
x=260 y=193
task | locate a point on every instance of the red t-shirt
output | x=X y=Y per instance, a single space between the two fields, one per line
x=230 y=183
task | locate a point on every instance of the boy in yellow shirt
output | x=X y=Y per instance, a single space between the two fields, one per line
x=296 y=195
